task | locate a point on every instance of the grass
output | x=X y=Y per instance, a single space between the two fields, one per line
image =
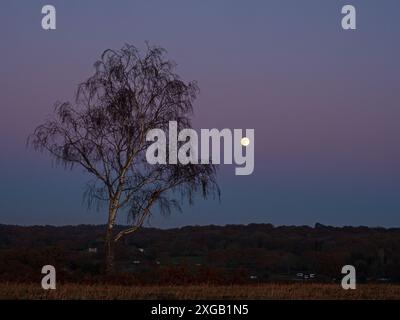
x=262 y=291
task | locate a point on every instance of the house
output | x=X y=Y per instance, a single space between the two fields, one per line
x=305 y=276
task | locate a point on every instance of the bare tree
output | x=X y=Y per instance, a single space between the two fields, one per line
x=104 y=132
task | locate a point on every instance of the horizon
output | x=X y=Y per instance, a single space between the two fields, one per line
x=316 y=225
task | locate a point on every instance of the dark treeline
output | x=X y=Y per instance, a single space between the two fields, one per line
x=212 y=254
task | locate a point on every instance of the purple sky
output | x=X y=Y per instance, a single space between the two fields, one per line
x=324 y=103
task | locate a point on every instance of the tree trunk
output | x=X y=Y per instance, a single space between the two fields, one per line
x=109 y=249
x=110 y=237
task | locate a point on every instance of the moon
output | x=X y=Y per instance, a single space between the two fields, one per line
x=245 y=141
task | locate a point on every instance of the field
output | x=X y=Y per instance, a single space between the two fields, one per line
x=265 y=291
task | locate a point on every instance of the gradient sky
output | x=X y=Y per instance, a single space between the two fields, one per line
x=324 y=103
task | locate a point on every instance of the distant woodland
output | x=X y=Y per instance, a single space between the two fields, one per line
x=207 y=254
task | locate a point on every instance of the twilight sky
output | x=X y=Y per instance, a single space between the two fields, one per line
x=324 y=103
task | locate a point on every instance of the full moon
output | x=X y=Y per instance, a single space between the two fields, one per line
x=245 y=141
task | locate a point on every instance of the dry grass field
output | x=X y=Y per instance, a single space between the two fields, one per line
x=264 y=291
